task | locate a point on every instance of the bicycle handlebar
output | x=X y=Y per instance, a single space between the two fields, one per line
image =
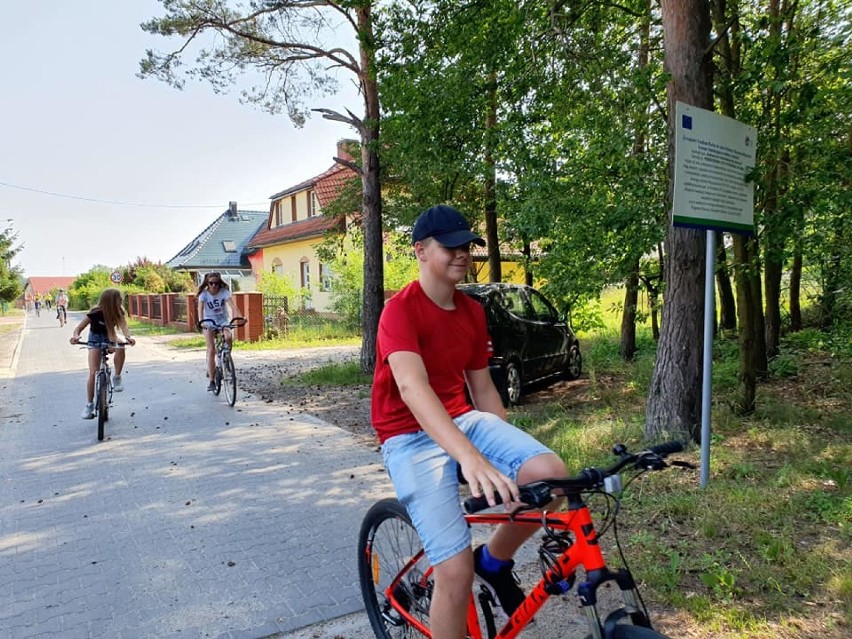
x=539 y=493
x=235 y=322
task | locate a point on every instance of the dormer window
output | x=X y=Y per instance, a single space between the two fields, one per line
x=313 y=204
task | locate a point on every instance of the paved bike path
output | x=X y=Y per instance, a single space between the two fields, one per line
x=193 y=519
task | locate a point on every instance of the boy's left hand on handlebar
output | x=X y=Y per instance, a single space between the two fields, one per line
x=486 y=480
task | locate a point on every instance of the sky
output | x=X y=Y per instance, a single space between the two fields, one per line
x=99 y=167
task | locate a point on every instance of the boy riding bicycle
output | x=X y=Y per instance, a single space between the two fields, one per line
x=432 y=341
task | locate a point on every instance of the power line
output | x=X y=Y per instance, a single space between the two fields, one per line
x=119 y=203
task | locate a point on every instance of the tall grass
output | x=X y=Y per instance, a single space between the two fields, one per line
x=766 y=549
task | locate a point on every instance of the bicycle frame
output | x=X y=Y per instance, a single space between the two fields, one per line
x=584 y=551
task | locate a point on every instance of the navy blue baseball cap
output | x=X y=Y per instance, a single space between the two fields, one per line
x=446 y=225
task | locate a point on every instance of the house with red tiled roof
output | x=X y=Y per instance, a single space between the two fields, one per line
x=41 y=287
x=297 y=224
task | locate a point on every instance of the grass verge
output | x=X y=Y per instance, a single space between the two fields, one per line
x=765 y=550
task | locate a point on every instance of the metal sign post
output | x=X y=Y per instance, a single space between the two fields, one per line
x=713 y=157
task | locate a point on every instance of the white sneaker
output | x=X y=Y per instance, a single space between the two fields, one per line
x=117 y=386
x=88 y=411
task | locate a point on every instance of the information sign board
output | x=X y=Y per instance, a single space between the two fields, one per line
x=713 y=158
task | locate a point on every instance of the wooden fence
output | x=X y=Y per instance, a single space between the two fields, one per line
x=180 y=310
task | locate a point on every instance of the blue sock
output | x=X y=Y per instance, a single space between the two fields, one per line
x=492 y=564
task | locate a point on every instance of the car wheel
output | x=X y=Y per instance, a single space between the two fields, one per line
x=575 y=363
x=512 y=382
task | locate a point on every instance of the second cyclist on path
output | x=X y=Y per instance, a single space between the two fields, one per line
x=103 y=320
x=215 y=303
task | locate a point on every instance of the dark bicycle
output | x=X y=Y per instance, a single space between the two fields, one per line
x=225 y=375
x=103 y=385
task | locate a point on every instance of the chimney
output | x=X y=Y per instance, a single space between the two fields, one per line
x=346 y=148
x=232 y=211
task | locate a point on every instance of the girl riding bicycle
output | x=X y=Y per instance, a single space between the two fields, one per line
x=215 y=303
x=432 y=342
x=102 y=320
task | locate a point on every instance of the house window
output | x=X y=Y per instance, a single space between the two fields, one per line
x=325 y=277
x=293 y=208
x=277 y=221
x=277 y=267
x=305 y=271
x=229 y=246
x=313 y=204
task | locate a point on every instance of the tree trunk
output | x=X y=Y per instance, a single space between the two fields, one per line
x=795 y=291
x=528 y=270
x=631 y=294
x=628 y=316
x=494 y=267
x=773 y=253
x=374 y=292
x=747 y=387
x=761 y=363
x=674 y=398
x=727 y=306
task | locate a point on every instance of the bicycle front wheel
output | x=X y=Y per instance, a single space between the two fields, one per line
x=386 y=544
x=103 y=404
x=229 y=378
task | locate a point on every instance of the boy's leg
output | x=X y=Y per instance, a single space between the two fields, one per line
x=453 y=583
x=426 y=482
x=507 y=539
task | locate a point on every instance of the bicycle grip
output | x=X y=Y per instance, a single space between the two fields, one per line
x=475 y=504
x=667 y=448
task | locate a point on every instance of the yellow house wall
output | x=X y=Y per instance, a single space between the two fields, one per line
x=290 y=255
x=512 y=272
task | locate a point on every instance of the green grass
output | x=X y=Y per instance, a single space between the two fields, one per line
x=765 y=550
x=295 y=340
x=348 y=374
x=138 y=327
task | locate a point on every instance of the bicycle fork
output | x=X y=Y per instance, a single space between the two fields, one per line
x=588 y=595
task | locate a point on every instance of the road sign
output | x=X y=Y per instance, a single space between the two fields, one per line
x=115 y=277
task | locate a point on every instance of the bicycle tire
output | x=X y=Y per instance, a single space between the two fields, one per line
x=217 y=378
x=386 y=543
x=634 y=632
x=102 y=404
x=229 y=378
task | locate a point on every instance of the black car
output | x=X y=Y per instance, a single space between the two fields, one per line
x=531 y=341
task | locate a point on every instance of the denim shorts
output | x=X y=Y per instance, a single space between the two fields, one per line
x=95 y=341
x=426 y=477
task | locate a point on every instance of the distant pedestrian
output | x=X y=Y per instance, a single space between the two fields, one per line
x=102 y=320
x=215 y=303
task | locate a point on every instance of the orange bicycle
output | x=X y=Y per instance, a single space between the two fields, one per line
x=396 y=578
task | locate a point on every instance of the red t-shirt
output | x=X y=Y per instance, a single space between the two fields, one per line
x=450 y=342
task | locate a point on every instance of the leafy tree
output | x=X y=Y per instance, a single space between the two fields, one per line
x=346 y=259
x=11 y=286
x=156 y=277
x=85 y=291
x=293 y=49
